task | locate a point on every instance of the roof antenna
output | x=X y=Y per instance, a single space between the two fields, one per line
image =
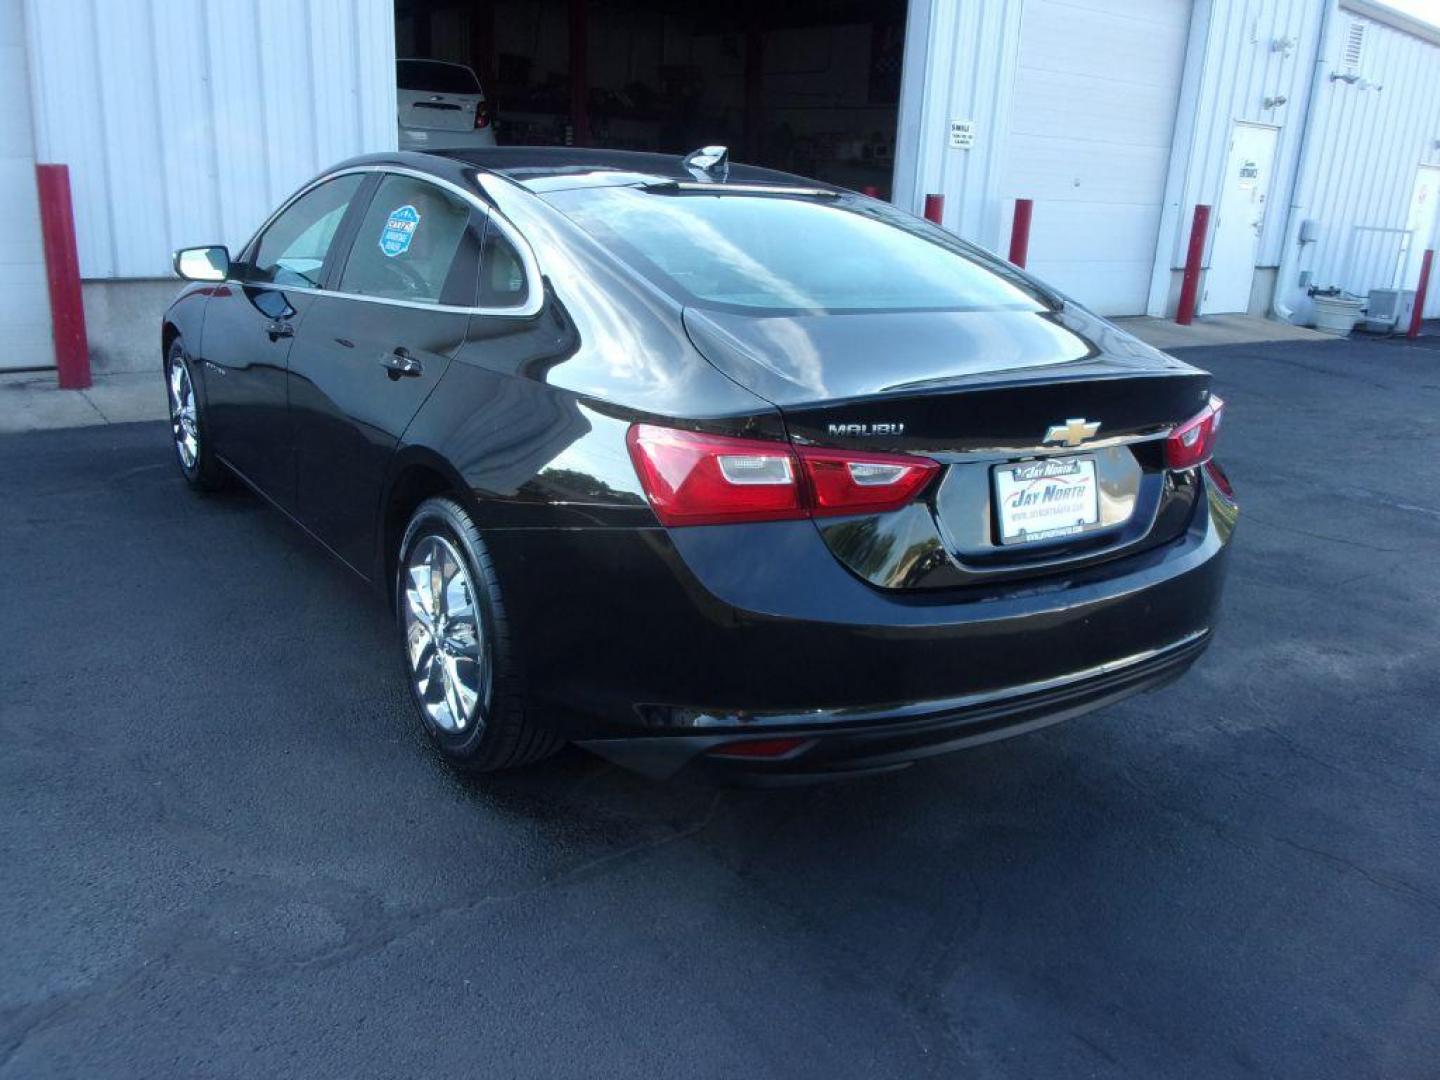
x=709 y=162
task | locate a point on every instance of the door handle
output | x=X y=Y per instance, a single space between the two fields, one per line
x=400 y=363
x=278 y=329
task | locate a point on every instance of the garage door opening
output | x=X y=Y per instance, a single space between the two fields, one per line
x=811 y=87
x=1096 y=91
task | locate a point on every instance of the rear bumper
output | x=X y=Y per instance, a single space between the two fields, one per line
x=655 y=648
x=854 y=741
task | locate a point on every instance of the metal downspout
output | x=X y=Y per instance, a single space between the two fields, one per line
x=1303 y=171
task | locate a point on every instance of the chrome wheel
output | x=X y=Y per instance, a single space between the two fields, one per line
x=444 y=637
x=182 y=414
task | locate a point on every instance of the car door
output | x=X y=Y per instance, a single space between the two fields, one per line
x=250 y=327
x=374 y=347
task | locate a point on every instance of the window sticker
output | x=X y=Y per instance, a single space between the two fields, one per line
x=399 y=230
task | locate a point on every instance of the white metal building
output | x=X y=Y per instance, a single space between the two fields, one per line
x=1117 y=118
x=181 y=119
x=1312 y=127
x=24 y=298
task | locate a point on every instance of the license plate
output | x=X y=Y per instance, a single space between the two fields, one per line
x=1047 y=499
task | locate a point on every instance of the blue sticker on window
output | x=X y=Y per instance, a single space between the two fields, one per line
x=399 y=230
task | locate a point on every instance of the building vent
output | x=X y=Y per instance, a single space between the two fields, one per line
x=1354 y=47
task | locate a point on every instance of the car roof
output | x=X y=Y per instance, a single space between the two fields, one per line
x=542 y=166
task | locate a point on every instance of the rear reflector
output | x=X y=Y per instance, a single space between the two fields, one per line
x=1220 y=477
x=696 y=479
x=1193 y=442
x=757 y=748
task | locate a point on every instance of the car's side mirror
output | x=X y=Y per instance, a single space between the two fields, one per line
x=203 y=263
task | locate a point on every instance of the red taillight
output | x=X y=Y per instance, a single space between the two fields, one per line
x=696 y=479
x=482 y=115
x=1193 y=442
x=842 y=482
x=693 y=479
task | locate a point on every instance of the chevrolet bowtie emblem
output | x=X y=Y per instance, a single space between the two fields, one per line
x=1073 y=432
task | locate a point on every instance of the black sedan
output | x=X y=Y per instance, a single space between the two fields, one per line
x=703 y=466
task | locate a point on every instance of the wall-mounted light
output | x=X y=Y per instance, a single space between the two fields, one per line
x=1283 y=45
x=1350 y=78
x=1276 y=101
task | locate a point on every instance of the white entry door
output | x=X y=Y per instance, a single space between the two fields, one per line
x=1239 y=219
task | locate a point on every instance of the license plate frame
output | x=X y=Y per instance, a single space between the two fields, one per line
x=1046 y=499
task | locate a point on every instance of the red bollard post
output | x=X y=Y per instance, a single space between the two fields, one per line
x=1420 y=290
x=62 y=267
x=1190 y=284
x=1020 y=231
x=935 y=208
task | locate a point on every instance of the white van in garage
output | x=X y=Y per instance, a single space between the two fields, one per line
x=441 y=105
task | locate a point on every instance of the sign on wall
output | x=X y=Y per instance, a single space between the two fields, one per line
x=962 y=134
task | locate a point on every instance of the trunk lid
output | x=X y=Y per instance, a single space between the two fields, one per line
x=956 y=381
x=437 y=111
x=978 y=391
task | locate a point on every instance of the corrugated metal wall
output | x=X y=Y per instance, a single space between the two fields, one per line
x=186 y=121
x=24 y=293
x=960 y=58
x=1370 y=142
x=1254 y=50
x=1363 y=141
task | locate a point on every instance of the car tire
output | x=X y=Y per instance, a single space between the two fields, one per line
x=457 y=648
x=188 y=431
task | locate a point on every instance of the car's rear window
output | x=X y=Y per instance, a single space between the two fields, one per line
x=791 y=253
x=429 y=77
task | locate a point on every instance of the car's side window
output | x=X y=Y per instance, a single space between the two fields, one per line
x=292 y=251
x=502 y=274
x=412 y=237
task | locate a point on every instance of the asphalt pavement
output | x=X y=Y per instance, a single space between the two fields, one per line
x=226 y=851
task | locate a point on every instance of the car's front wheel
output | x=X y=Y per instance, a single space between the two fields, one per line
x=458 y=652
x=187 y=424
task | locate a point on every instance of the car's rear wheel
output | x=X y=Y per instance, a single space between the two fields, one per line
x=457 y=645
x=187 y=424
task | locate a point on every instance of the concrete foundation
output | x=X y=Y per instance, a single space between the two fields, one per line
x=122 y=319
x=1215 y=330
x=1262 y=288
x=1172 y=295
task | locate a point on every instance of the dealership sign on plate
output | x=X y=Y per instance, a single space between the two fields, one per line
x=1043 y=500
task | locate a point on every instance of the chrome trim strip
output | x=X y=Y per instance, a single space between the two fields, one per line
x=721 y=188
x=517 y=312
x=942 y=706
x=533 y=279
x=991 y=453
